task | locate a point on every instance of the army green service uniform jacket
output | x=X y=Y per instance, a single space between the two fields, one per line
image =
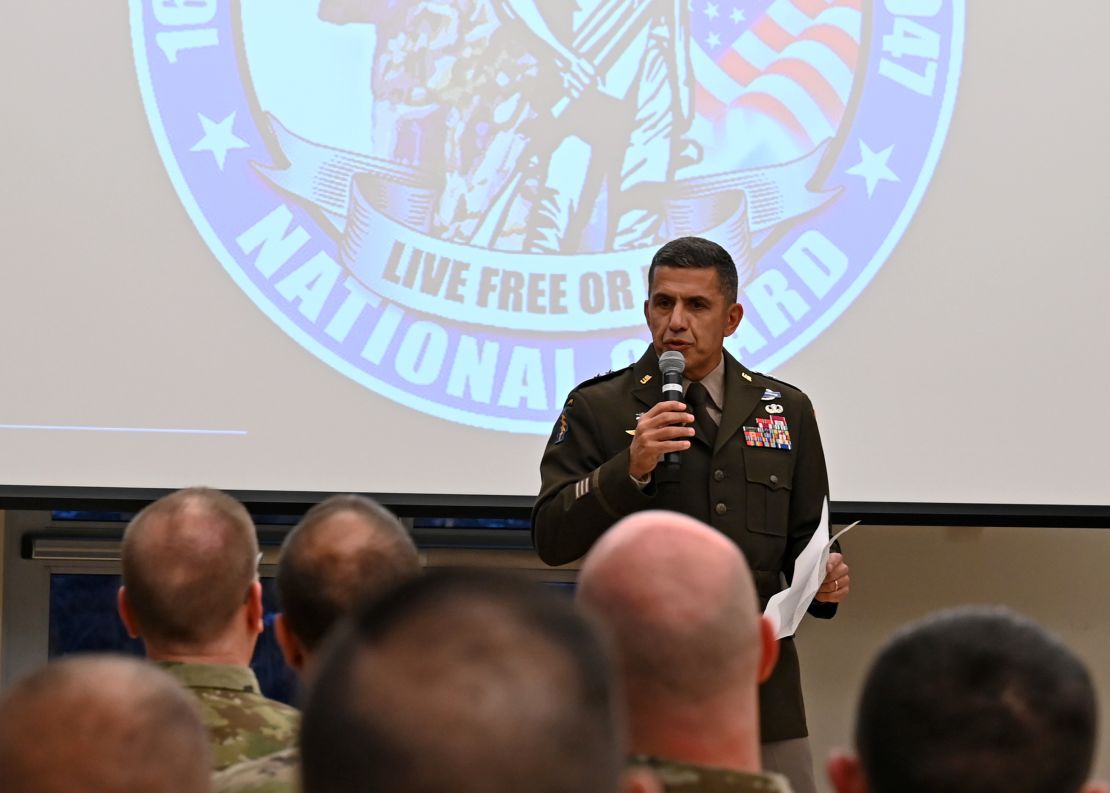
x=767 y=499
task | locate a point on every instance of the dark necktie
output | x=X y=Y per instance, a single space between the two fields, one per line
x=696 y=400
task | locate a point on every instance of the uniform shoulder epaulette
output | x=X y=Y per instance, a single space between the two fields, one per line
x=601 y=378
x=776 y=380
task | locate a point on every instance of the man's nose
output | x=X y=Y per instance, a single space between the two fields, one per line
x=678 y=318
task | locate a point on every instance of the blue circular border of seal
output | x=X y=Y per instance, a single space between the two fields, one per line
x=504 y=423
x=909 y=209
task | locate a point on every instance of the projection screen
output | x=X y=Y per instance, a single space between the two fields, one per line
x=370 y=245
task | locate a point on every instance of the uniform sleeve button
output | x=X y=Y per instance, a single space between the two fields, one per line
x=718 y=475
x=721 y=508
x=774 y=479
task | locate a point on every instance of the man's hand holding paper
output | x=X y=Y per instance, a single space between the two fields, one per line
x=818 y=573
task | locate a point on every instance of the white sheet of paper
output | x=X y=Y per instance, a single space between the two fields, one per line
x=787 y=607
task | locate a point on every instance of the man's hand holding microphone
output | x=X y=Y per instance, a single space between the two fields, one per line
x=665 y=430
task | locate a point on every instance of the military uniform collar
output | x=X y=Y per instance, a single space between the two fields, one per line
x=240 y=679
x=730 y=372
x=743 y=397
x=648 y=380
x=714 y=383
x=679 y=776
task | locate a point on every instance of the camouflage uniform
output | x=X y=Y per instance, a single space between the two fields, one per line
x=275 y=773
x=242 y=724
x=679 y=777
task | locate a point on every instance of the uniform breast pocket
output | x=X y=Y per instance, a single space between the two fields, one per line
x=770 y=475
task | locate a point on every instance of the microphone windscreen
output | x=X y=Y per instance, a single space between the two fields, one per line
x=672 y=361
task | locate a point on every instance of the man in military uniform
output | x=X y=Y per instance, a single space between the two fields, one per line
x=753 y=468
x=973 y=699
x=110 y=724
x=680 y=607
x=346 y=548
x=191 y=592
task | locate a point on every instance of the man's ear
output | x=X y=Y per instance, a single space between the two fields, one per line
x=292 y=650
x=845 y=773
x=125 y=615
x=254 y=607
x=770 y=653
x=637 y=779
x=735 y=314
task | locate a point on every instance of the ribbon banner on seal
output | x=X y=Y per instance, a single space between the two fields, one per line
x=384 y=209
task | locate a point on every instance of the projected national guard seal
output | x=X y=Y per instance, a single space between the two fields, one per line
x=455 y=203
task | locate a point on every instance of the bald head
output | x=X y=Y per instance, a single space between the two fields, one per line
x=101 y=724
x=679 y=602
x=346 y=549
x=463 y=681
x=189 y=560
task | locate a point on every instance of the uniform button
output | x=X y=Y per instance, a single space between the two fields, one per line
x=718 y=475
x=721 y=508
x=774 y=479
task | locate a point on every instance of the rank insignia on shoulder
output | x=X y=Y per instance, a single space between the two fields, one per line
x=768 y=395
x=645 y=379
x=770 y=433
x=746 y=376
x=562 y=427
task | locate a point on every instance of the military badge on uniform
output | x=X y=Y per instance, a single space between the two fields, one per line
x=768 y=395
x=770 y=433
x=774 y=408
x=563 y=428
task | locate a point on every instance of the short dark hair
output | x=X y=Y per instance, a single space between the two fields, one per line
x=188 y=562
x=105 y=723
x=322 y=576
x=696 y=252
x=976 y=700
x=463 y=680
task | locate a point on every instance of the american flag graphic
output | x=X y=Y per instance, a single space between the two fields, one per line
x=792 y=61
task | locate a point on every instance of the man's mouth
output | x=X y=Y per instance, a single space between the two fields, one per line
x=675 y=344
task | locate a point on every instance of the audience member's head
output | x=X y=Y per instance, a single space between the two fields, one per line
x=678 y=600
x=190 y=578
x=974 y=700
x=101 y=724
x=345 y=550
x=463 y=681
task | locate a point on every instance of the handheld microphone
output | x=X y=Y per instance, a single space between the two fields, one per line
x=672 y=364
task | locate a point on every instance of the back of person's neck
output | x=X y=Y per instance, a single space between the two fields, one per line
x=231 y=647
x=722 y=739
